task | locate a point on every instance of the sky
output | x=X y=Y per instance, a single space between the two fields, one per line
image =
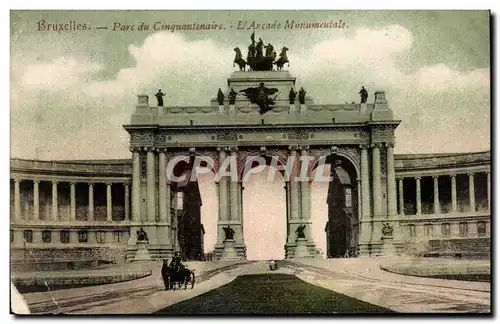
x=71 y=91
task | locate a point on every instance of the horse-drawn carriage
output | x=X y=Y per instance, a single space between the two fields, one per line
x=176 y=275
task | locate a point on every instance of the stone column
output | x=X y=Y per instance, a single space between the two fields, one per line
x=377 y=198
x=36 y=200
x=419 y=196
x=136 y=187
x=55 y=207
x=223 y=215
x=305 y=195
x=109 y=203
x=401 y=197
x=127 y=201
x=391 y=181
x=151 y=183
x=72 y=201
x=453 y=193
x=294 y=193
x=488 y=175
x=168 y=213
x=437 y=208
x=365 y=183
x=472 y=195
x=233 y=189
x=162 y=186
x=17 y=200
x=91 y=202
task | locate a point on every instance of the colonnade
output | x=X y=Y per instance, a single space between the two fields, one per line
x=436 y=202
x=73 y=205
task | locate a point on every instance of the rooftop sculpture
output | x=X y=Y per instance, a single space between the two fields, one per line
x=257 y=60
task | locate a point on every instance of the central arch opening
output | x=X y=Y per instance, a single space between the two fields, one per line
x=264 y=213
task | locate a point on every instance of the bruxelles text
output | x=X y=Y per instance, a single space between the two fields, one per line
x=293 y=169
x=252 y=25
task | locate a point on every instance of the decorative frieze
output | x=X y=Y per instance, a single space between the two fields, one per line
x=226 y=136
x=297 y=135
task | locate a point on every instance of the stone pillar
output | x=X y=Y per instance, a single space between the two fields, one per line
x=377 y=198
x=472 y=195
x=109 y=203
x=136 y=187
x=391 y=181
x=55 y=207
x=17 y=200
x=72 y=201
x=162 y=186
x=127 y=201
x=419 y=196
x=36 y=200
x=233 y=192
x=488 y=175
x=365 y=183
x=223 y=211
x=305 y=195
x=294 y=193
x=91 y=202
x=151 y=183
x=365 y=223
x=437 y=208
x=454 y=208
x=401 y=197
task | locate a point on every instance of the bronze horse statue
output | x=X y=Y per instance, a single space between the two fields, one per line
x=238 y=59
x=280 y=62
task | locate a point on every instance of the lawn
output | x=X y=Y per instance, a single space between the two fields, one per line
x=271 y=294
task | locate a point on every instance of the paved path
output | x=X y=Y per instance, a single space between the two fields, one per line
x=363 y=279
x=359 y=278
x=131 y=297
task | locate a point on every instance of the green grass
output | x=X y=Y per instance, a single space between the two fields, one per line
x=271 y=294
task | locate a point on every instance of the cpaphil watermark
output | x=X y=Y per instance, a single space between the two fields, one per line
x=294 y=169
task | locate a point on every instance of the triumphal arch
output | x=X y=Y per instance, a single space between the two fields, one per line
x=259 y=113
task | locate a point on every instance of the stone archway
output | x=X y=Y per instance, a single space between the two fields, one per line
x=342 y=228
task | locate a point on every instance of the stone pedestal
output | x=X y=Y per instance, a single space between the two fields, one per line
x=388 y=247
x=229 y=252
x=142 y=253
x=302 y=251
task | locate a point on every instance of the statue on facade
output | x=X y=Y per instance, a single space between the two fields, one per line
x=141 y=235
x=159 y=96
x=302 y=96
x=260 y=96
x=220 y=97
x=300 y=231
x=232 y=96
x=282 y=60
x=387 y=229
x=292 y=96
x=364 y=94
x=229 y=233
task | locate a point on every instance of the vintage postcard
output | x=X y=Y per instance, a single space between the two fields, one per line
x=250 y=162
